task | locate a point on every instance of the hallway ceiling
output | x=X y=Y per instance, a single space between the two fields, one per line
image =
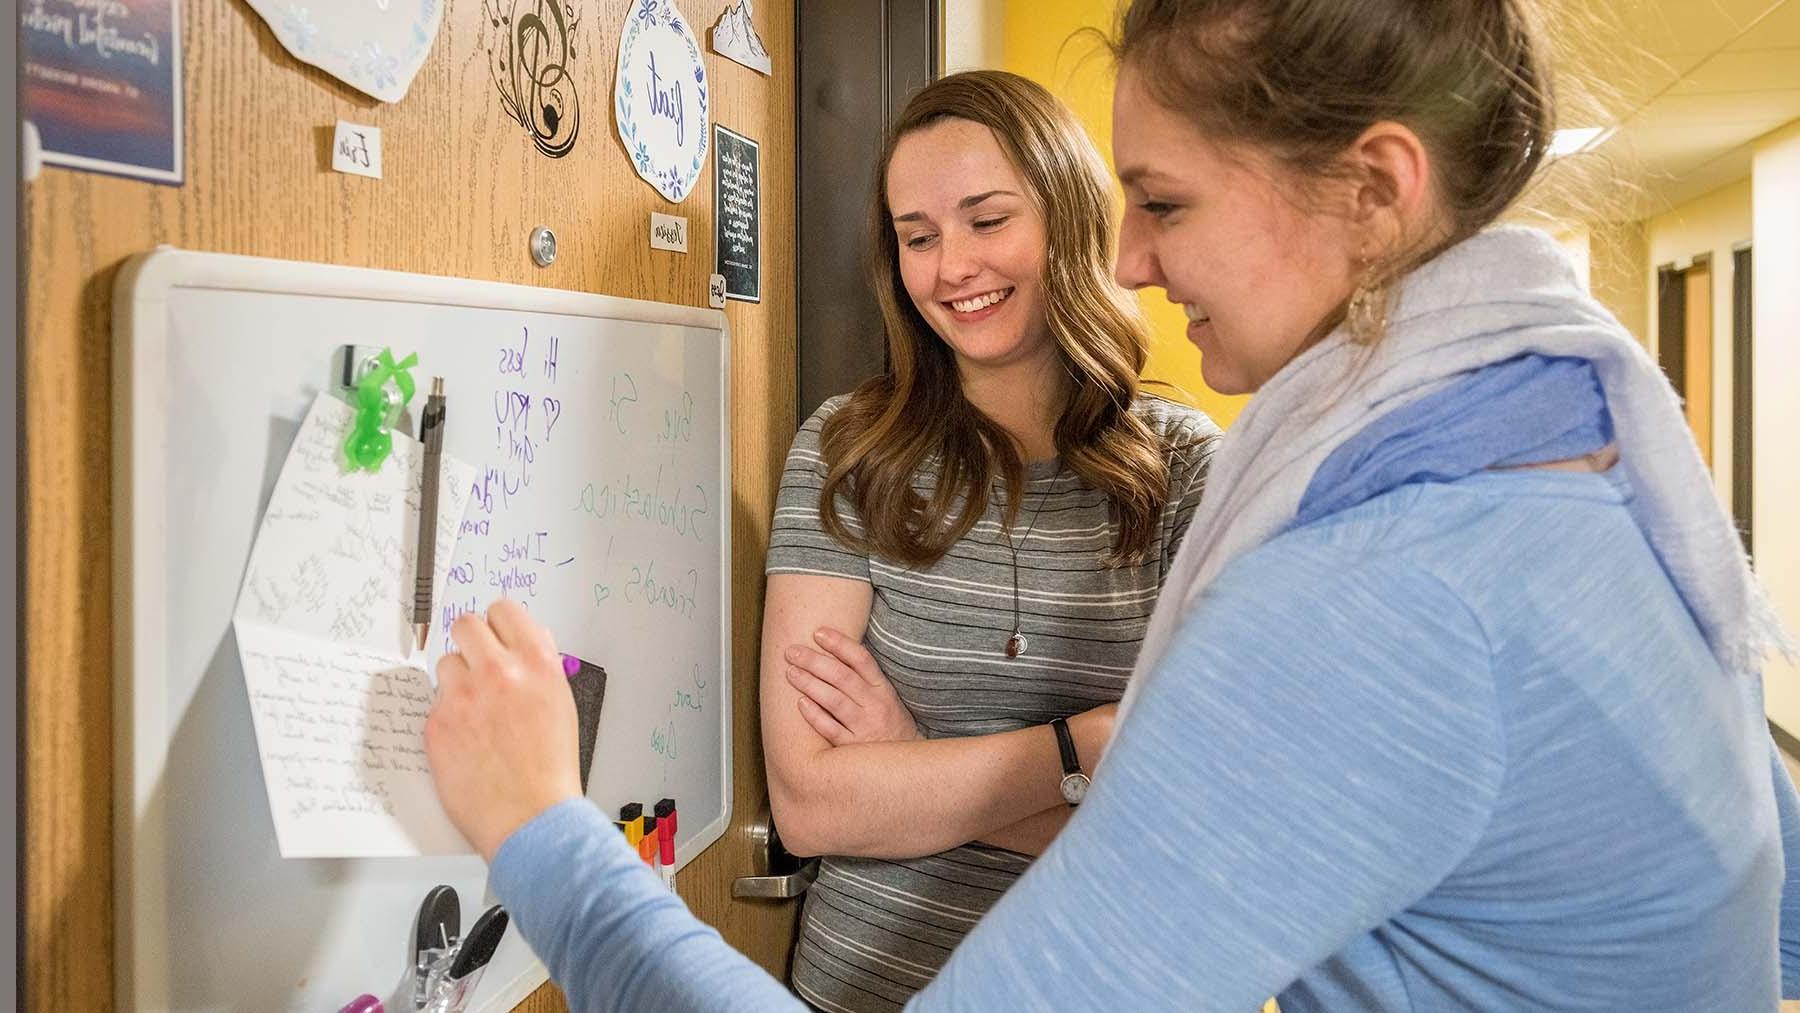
x=1691 y=83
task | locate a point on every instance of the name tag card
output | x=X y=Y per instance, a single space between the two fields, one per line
x=357 y=149
x=668 y=232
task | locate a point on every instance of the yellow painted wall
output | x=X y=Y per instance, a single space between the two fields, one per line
x=1616 y=256
x=1039 y=43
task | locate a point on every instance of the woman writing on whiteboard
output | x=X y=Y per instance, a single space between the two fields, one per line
x=992 y=517
x=1451 y=701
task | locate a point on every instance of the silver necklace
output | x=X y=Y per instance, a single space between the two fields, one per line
x=1016 y=644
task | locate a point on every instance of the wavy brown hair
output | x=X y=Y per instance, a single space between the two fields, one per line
x=915 y=414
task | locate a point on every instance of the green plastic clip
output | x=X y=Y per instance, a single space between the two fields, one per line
x=378 y=404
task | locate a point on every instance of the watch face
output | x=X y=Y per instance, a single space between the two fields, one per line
x=1074 y=788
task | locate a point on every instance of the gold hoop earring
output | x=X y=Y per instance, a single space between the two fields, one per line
x=1366 y=314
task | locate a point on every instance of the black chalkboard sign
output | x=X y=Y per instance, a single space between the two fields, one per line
x=738 y=212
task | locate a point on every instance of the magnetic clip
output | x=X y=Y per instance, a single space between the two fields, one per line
x=447 y=966
x=435 y=937
x=350 y=363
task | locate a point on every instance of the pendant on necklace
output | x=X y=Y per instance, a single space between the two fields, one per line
x=1015 y=644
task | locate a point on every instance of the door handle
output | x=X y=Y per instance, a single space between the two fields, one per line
x=779 y=875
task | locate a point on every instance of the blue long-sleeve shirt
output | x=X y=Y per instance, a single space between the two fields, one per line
x=1458 y=747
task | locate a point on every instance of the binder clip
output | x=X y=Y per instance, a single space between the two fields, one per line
x=435 y=937
x=447 y=966
x=379 y=396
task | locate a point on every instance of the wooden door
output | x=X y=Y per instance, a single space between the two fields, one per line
x=1697 y=354
x=1743 y=400
x=464 y=187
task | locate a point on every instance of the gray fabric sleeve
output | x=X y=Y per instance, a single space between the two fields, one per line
x=798 y=542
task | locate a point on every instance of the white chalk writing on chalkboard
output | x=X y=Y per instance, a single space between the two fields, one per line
x=735 y=188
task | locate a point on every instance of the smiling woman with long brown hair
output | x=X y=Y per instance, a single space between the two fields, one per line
x=983 y=528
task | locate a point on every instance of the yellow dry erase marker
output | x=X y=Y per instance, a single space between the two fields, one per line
x=632 y=815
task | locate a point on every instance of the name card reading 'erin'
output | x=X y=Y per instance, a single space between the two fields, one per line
x=356 y=149
x=323 y=627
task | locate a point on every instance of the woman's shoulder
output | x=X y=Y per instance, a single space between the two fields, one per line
x=810 y=434
x=1185 y=430
x=826 y=410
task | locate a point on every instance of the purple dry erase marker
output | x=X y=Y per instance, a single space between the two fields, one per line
x=364 y=1003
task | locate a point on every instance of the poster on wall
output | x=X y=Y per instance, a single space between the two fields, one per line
x=101 y=81
x=660 y=98
x=737 y=207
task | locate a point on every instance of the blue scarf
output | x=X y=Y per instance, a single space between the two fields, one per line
x=1528 y=410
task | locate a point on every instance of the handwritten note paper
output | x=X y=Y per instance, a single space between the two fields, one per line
x=324 y=632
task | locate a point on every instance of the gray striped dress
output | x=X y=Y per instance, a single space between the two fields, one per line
x=873 y=932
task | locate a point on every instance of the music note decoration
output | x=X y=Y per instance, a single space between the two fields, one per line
x=531 y=47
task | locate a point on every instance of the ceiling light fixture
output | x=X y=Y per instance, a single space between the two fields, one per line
x=1568 y=142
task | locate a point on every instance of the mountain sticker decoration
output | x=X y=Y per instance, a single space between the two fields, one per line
x=735 y=38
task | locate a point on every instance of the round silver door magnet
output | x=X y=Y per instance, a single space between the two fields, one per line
x=543 y=246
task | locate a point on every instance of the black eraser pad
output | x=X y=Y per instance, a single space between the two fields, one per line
x=588 y=685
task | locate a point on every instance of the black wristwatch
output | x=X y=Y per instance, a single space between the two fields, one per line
x=1074 y=782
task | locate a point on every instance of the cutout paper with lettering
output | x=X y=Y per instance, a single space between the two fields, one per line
x=668 y=232
x=323 y=626
x=660 y=98
x=376 y=48
x=356 y=149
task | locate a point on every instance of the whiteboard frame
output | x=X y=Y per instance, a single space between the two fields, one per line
x=140 y=616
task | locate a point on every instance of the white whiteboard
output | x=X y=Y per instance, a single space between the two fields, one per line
x=606 y=509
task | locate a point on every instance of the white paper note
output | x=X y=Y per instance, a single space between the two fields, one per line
x=668 y=232
x=356 y=149
x=324 y=630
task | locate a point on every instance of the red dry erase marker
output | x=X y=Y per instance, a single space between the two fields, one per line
x=665 y=843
